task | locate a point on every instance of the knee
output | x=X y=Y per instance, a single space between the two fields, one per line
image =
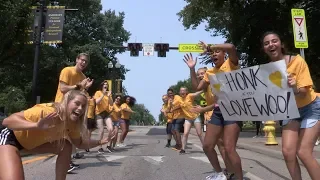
x=304 y=154
x=229 y=148
x=207 y=147
x=289 y=153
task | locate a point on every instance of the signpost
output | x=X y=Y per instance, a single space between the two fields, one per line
x=299 y=30
x=148 y=49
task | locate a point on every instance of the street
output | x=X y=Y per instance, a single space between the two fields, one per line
x=145 y=158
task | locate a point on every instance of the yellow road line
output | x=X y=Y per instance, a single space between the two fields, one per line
x=36 y=159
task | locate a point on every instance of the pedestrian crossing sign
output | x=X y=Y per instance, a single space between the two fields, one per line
x=299 y=28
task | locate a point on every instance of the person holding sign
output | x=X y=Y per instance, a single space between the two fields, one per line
x=299 y=135
x=217 y=127
x=187 y=100
x=45 y=128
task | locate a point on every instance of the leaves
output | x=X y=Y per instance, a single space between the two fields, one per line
x=86 y=30
x=243 y=23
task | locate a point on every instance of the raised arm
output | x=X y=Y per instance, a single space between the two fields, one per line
x=196 y=84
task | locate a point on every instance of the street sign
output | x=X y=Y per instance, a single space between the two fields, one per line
x=148 y=49
x=189 y=48
x=54 y=24
x=299 y=28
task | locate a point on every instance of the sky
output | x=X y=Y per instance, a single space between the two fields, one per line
x=156 y=22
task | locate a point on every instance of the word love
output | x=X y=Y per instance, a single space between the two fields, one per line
x=250 y=106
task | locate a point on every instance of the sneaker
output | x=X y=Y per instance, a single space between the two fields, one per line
x=168 y=145
x=100 y=150
x=216 y=176
x=71 y=168
x=318 y=142
x=182 y=151
x=108 y=149
x=74 y=165
x=78 y=156
x=228 y=175
x=87 y=150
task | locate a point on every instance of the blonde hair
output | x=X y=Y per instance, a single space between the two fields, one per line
x=84 y=54
x=63 y=113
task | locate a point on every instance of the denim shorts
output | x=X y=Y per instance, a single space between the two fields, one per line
x=116 y=123
x=177 y=124
x=197 y=120
x=217 y=119
x=309 y=115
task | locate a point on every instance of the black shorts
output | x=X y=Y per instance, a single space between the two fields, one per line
x=91 y=124
x=7 y=137
x=169 y=128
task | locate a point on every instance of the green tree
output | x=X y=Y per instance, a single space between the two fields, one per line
x=243 y=23
x=141 y=116
x=87 y=30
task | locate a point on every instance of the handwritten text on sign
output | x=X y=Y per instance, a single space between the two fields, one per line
x=257 y=93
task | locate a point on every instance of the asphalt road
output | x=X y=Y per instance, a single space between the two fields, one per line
x=145 y=158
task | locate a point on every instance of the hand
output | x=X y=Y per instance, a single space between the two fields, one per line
x=170 y=101
x=196 y=109
x=47 y=121
x=204 y=47
x=292 y=82
x=83 y=83
x=109 y=93
x=88 y=83
x=188 y=59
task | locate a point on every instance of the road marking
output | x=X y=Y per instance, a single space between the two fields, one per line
x=37 y=159
x=245 y=174
x=154 y=159
x=112 y=158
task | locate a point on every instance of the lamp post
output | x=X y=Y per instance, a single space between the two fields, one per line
x=114 y=67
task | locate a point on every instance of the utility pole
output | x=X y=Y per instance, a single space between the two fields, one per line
x=37 y=51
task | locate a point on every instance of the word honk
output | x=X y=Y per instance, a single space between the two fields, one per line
x=276 y=78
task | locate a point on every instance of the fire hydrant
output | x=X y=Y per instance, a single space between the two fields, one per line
x=270 y=129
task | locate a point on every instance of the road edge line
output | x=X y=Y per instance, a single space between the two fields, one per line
x=36 y=159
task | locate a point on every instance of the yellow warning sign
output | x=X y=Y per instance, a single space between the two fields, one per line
x=190 y=48
x=299 y=28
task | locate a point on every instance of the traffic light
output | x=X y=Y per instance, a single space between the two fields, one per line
x=134 y=49
x=162 y=49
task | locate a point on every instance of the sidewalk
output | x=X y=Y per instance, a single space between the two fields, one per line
x=246 y=141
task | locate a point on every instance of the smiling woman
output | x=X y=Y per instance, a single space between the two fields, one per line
x=43 y=129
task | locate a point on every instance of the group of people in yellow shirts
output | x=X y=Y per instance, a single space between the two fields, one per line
x=298 y=135
x=57 y=127
x=61 y=127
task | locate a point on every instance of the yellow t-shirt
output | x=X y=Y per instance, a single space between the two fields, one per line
x=116 y=112
x=227 y=66
x=125 y=114
x=71 y=77
x=178 y=113
x=104 y=103
x=91 y=108
x=31 y=139
x=169 y=115
x=299 y=68
x=186 y=105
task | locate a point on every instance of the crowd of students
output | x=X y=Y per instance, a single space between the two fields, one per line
x=65 y=125
x=298 y=135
